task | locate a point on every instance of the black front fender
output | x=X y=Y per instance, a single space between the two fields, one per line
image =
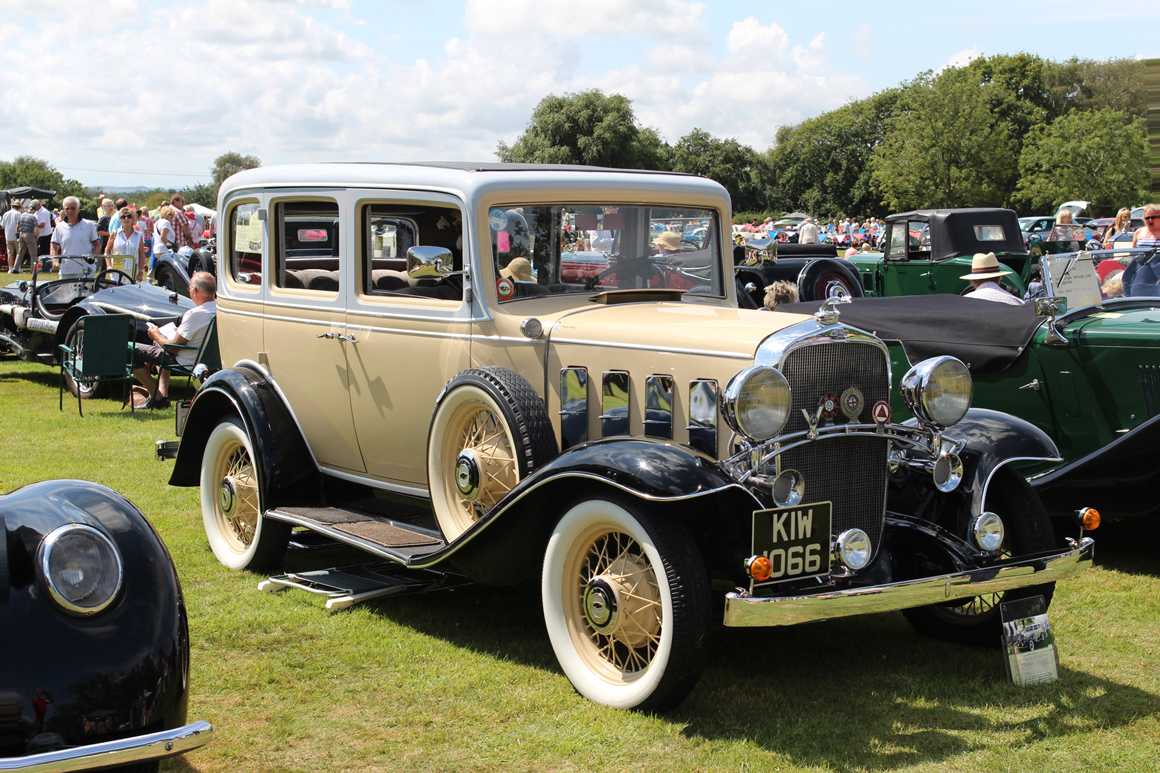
x=283 y=457
x=994 y=439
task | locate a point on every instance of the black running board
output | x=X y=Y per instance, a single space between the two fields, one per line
x=347 y=585
x=394 y=540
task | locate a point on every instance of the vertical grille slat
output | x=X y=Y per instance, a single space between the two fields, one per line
x=848 y=471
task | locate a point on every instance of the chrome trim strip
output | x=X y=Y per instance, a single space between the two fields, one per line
x=646 y=348
x=658 y=398
x=744 y=611
x=774 y=349
x=126 y=751
x=420 y=333
x=987 y=483
x=398 y=488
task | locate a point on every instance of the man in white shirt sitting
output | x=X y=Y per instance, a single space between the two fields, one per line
x=984 y=271
x=191 y=332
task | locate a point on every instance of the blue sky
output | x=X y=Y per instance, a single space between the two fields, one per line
x=396 y=80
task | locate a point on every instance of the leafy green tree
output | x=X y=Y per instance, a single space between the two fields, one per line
x=202 y=193
x=822 y=166
x=726 y=161
x=227 y=164
x=35 y=172
x=944 y=147
x=586 y=128
x=1088 y=155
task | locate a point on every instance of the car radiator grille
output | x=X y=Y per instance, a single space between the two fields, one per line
x=848 y=471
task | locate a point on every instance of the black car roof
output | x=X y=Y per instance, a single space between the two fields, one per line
x=952 y=230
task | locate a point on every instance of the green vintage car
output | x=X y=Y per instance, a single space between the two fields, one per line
x=1084 y=369
x=928 y=251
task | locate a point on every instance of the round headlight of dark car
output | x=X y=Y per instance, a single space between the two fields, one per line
x=81 y=568
x=938 y=391
x=756 y=402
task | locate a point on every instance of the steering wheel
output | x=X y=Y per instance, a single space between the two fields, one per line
x=120 y=276
x=642 y=267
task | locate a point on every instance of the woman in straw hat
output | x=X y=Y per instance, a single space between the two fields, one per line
x=984 y=271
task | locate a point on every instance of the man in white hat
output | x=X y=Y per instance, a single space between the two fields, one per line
x=984 y=271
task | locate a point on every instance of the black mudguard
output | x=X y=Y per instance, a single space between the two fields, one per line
x=1120 y=479
x=247 y=393
x=994 y=439
x=508 y=544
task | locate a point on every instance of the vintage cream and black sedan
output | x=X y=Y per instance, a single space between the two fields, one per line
x=438 y=391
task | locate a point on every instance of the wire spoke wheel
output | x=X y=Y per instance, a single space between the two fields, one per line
x=490 y=430
x=626 y=604
x=231 y=509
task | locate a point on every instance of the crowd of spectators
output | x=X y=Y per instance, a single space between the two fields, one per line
x=127 y=236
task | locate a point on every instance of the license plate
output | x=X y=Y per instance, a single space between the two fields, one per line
x=796 y=539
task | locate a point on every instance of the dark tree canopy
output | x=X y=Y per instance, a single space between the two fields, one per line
x=231 y=163
x=586 y=128
x=728 y=162
x=37 y=173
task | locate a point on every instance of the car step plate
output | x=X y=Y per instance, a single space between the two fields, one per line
x=346 y=585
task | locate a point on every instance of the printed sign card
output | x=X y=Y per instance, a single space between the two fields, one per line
x=1029 y=641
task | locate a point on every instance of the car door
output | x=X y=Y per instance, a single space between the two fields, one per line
x=305 y=321
x=408 y=332
x=906 y=266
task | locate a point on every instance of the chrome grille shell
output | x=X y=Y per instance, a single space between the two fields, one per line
x=849 y=471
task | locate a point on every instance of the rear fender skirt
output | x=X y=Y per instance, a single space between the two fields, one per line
x=1120 y=479
x=247 y=393
x=994 y=439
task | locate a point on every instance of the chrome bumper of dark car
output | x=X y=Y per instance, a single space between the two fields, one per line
x=745 y=611
x=126 y=751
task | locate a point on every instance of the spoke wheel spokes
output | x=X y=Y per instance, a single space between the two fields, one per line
x=240 y=520
x=484 y=435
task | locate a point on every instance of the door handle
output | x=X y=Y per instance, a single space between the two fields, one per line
x=349 y=338
x=326 y=335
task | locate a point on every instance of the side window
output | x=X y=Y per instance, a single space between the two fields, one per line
x=245 y=243
x=897 y=248
x=391 y=267
x=305 y=249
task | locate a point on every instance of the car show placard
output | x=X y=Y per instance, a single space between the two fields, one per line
x=1029 y=641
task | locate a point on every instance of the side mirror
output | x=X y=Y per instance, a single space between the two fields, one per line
x=425 y=260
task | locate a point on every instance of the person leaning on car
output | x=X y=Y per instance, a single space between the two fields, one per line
x=191 y=332
x=73 y=236
x=984 y=271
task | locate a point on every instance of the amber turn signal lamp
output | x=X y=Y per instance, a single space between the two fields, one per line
x=759 y=568
x=1088 y=518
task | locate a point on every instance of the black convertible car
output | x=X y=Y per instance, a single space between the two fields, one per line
x=36 y=316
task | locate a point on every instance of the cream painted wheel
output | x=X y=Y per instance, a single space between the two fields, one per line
x=490 y=430
x=626 y=605
x=231 y=505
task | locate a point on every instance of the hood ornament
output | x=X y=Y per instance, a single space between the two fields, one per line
x=828 y=313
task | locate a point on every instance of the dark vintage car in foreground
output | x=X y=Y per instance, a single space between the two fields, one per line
x=1082 y=368
x=94 y=649
x=662 y=460
x=37 y=316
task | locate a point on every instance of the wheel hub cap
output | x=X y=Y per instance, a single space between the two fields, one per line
x=227 y=497
x=600 y=605
x=467 y=474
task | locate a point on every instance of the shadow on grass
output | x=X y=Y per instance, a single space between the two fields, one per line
x=849 y=694
x=1128 y=545
x=45 y=375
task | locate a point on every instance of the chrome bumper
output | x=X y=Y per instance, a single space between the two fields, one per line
x=745 y=611
x=126 y=751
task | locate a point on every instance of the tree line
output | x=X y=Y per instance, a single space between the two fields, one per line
x=1013 y=131
x=38 y=173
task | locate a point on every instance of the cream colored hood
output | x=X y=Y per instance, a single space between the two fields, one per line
x=670 y=327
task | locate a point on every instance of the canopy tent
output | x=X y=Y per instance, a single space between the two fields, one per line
x=24 y=193
x=796 y=216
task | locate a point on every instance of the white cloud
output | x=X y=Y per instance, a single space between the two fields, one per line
x=861 y=43
x=587 y=18
x=288 y=84
x=961 y=58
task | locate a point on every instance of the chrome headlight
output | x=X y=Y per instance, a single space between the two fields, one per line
x=756 y=403
x=938 y=391
x=988 y=531
x=853 y=548
x=81 y=569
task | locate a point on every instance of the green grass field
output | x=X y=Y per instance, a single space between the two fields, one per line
x=466 y=680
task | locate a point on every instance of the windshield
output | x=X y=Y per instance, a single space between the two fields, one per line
x=1088 y=278
x=578 y=249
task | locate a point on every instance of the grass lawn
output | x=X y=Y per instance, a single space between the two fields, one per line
x=466 y=680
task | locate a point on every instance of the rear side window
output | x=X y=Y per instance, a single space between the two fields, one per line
x=305 y=248
x=245 y=241
x=989 y=233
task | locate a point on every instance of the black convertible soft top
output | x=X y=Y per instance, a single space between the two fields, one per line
x=952 y=231
x=987 y=336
